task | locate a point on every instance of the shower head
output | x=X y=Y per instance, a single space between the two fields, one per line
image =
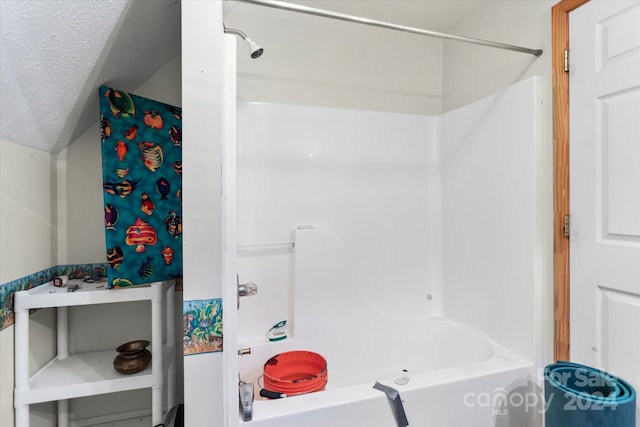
x=254 y=48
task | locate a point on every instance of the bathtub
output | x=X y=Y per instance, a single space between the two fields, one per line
x=448 y=374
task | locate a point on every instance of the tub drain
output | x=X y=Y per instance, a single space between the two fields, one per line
x=401 y=380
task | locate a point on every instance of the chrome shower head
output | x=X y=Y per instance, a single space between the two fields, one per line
x=254 y=48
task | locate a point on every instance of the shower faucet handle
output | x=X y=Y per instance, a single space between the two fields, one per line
x=245 y=289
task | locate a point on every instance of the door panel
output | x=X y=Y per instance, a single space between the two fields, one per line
x=619 y=115
x=605 y=187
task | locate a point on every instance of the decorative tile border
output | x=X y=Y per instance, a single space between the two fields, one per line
x=74 y=271
x=202 y=326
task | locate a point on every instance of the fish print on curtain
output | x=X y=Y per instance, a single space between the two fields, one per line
x=142 y=183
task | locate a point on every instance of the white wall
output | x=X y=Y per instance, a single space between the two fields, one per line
x=317 y=61
x=28 y=198
x=28 y=236
x=364 y=176
x=490 y=210
x=473 y=72
x=80 y=207
x=202 y=103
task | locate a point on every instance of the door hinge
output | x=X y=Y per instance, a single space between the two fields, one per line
x=567 y=226
x=566 y=60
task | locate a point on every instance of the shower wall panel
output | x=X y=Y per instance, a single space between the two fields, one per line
x=491 y=210
x=368 y=177
x=431 y=215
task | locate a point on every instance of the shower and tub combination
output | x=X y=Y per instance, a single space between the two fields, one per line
x=405 y=249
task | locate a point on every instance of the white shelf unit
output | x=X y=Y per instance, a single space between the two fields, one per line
x=69 y=376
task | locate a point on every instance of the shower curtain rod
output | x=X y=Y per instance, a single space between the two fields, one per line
x=374 y=23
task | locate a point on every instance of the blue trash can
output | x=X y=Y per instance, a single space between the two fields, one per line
x=581 y=396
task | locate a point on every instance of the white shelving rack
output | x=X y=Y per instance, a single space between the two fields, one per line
x=69 y=376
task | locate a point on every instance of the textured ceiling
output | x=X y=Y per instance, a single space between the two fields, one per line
x=56 y=53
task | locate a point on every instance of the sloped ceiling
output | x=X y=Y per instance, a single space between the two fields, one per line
x=56 y=53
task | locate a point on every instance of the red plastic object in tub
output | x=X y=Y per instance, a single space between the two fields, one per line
x=296 y=372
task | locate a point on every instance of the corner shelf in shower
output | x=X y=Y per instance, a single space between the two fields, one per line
x=69 y=376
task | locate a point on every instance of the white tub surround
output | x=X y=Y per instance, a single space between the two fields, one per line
x=378 y=237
